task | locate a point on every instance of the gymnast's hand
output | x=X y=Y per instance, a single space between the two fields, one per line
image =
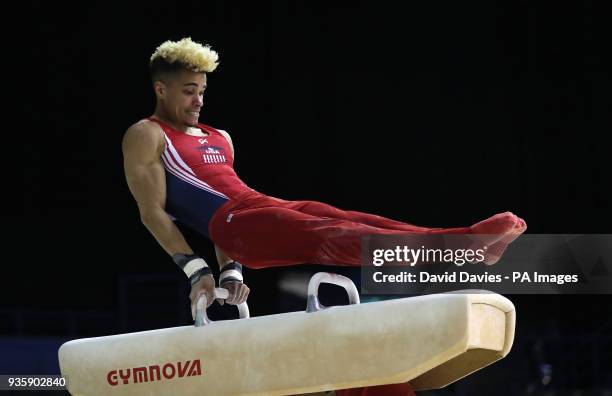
x=238 y=292
x=232 y=280
x=205 y=285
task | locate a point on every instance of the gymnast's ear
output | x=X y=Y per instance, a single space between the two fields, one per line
x=160 y=89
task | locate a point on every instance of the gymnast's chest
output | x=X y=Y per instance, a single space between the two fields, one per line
x=203 y=151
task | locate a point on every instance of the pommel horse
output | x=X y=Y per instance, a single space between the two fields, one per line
x=430 y=341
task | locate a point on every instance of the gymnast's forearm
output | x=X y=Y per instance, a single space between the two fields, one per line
x=165 y=231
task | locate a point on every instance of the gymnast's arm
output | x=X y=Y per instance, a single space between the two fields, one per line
x=145 y=175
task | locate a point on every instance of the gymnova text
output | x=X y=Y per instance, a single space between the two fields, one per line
x=412 y=257
x=466 y=277
x=168 y=371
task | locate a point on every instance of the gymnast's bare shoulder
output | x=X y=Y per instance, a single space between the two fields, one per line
x=144 y=135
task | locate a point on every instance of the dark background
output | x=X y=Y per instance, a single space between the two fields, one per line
x=438 y=114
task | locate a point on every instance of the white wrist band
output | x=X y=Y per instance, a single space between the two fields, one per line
x=237 y=275
x=193 y=266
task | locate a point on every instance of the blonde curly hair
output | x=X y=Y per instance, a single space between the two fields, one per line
x=183 y=54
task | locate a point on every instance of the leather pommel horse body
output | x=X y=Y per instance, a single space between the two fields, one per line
x=429 y=341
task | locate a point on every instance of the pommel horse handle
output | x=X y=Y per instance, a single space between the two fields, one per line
x=202 y=318
x=313 y=304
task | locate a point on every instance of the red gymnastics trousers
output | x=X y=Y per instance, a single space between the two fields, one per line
x=260 y=231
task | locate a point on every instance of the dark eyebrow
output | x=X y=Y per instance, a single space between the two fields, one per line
x=194 y=84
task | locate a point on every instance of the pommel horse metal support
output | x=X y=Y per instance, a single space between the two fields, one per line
x=429 y=341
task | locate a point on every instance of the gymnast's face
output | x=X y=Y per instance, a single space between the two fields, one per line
x=181 y=96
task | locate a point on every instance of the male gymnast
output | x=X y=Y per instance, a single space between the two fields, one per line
x=178 y=168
